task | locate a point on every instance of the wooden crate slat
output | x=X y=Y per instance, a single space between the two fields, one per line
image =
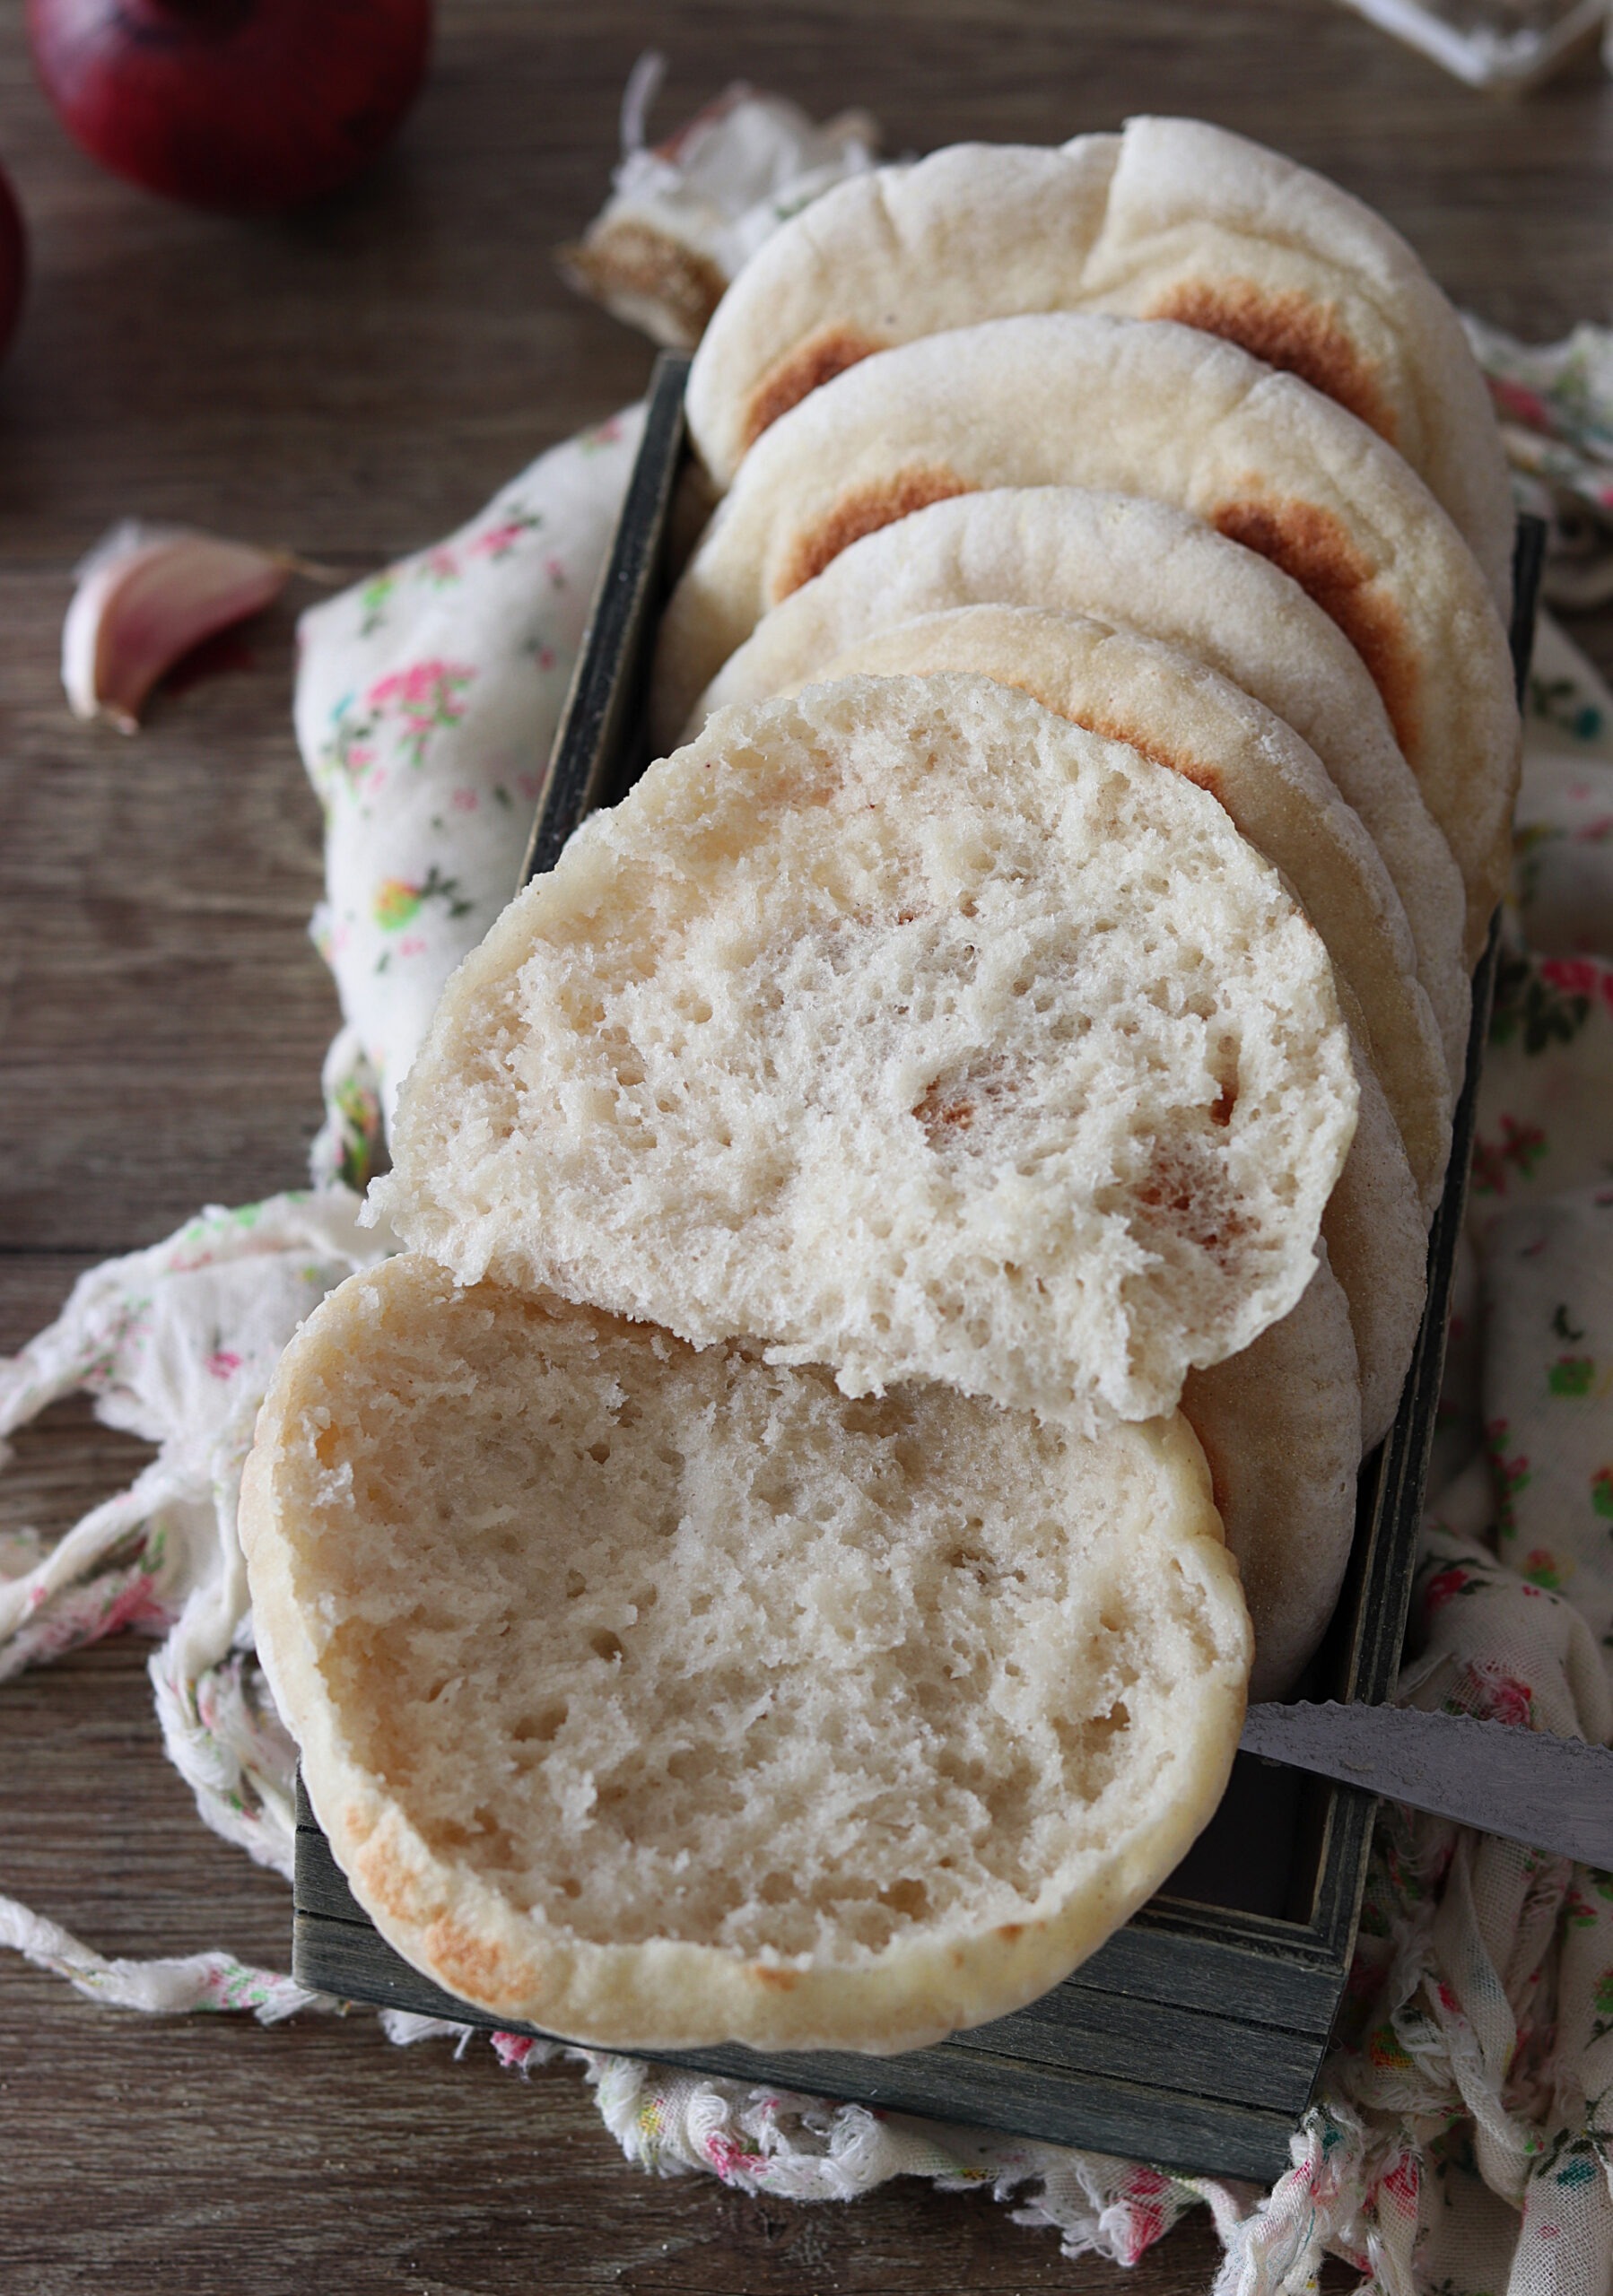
x=1058 y=2104
x=1151 y=2041
x=341 y=1957
x=1156 y=2044
x=1297 y=1977
x=1103 y=2113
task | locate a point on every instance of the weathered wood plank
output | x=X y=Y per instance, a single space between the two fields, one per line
x=1148 y=2041
x=1064 y=2104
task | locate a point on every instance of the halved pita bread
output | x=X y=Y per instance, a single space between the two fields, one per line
x=1173 y=219
x=1145 y=407
x=665 y=1697
x=1161 y=701
x=912 y=1029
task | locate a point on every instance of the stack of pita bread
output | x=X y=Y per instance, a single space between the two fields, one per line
x=957 y=1141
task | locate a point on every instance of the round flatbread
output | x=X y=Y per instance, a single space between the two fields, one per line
x=1377 y=1243
x=912 y=1028
x=663 y=1698
x=1173 y=219
x=1146 y=566
x=1161 y=701
x=1281 y=1429
x=1146 y=407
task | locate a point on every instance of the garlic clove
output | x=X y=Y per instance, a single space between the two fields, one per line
x=147 y=595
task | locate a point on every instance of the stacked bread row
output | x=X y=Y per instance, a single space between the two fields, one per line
x=960 y=1128
x=1183 y=441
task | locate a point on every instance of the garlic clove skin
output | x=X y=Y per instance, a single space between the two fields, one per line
x=147 y=595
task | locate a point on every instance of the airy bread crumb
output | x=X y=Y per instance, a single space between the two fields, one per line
x=912 y=1028
x=660 y=1696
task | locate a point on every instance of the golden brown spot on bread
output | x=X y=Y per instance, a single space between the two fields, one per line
x=794 y=377
x=1311 y=545
x=388 y=1885
x=633 y=259
x=863 y=510
x=463 y=1962
x=1009 y=1930
x=1293 y=332
x=781 y=1980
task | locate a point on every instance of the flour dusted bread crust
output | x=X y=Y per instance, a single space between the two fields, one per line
x=1173 y=219
x=908 y=1028
x=1172 y=709
x=663 y=1697
x=1147 y=567
x=1145 y=407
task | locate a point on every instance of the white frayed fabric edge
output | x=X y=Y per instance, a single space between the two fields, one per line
x=166 y=1987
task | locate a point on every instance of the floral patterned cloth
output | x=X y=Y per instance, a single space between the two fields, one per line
x=1555 y=404
x=176 y=1344
x=427 y=698
x=1463 y=2135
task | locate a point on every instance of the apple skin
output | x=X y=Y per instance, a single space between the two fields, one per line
x=249 y=106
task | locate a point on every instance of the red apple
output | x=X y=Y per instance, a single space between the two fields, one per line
x=245 y=105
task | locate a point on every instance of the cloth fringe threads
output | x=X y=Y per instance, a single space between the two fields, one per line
x=1463 y=2141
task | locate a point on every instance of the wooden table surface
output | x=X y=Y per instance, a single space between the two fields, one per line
x=350 y=383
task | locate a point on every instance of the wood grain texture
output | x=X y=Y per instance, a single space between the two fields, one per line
x=351 y=382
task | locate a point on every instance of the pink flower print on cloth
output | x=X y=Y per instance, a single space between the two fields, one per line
x=424 y=696
x=1548 y=1082
x=393 y=719
x=1564 y=818
x=1549 y=1377
x=1554 y=402
x=427 y=700
x=500 y=537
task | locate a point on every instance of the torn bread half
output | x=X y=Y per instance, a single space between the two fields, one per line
x=663 y=1697
x=912 y=1029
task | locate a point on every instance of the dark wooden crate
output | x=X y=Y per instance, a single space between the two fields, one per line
x=1194 y=2036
